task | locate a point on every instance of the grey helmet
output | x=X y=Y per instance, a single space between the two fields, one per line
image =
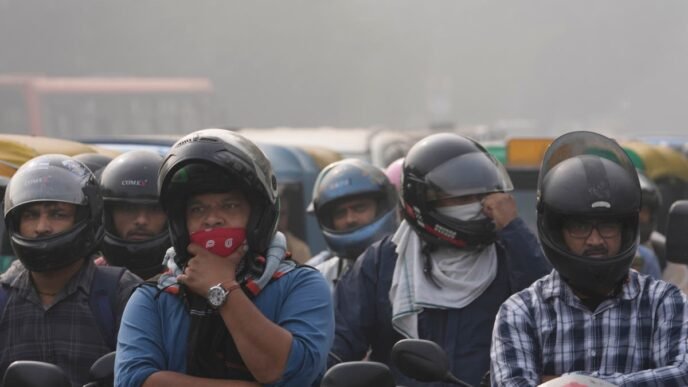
x=55 y=178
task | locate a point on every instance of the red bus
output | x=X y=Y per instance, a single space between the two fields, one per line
x=87 y=106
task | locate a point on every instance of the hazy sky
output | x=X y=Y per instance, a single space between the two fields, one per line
x=619 y=64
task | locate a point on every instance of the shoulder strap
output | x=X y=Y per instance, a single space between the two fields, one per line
x=4 y=295
x=103 y=300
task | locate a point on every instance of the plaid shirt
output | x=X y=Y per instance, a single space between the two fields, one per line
x=66 y=333
x=637 y=338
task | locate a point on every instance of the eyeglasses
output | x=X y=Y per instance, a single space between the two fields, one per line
x=581 y=229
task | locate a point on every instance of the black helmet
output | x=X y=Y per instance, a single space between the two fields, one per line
x=132 y=178
x=585 y=174
x=652 y=199
x=55 y=178
x=94 y=162
x=449 y=165
x=347 y=179
x=217 y=160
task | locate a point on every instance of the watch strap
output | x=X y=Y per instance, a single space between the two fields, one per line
x=232 y=287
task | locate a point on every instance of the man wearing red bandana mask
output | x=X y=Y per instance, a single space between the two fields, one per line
x=232 y=308
x=222 y=241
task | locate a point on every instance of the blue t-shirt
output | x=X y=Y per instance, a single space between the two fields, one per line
x=154 y=332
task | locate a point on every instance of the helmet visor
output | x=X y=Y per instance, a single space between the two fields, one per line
x=584 y=143
x=201 y=177
x=51 y=183
x=468 y=174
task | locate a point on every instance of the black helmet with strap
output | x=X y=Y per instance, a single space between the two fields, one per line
x=217 y=160
x=449 y=165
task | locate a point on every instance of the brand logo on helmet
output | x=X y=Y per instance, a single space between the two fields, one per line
x=135 y=183
x=601 y=204
x=193 y=138
x=339 y=184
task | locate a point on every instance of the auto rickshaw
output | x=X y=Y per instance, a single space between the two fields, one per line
x=668 y=168
x=521 y=156
x=296 y=172
x=7 y=169
x=375 y=145
x=16 y=149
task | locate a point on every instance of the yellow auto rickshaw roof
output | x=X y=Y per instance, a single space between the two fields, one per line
x=111 y=153
x=322 y=156
x=660 y=161
x=16 y=149
x=7 y=169
x=526 y=151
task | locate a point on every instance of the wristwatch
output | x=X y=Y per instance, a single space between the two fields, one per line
x=217 y=295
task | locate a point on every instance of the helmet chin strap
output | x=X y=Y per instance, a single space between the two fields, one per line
x=427 y=264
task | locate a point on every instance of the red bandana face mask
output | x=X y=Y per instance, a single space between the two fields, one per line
x=220 y=241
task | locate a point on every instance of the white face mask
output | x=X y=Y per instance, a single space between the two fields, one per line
x=472 y=211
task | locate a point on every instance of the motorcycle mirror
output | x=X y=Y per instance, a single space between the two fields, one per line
x=676 y=241
x=424 y=361
x=358 y=374
x=29 y=373
x=103 y=370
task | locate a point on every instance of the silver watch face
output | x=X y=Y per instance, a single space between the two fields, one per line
x=216 y=296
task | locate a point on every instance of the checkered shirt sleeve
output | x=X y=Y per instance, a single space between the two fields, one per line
x=637 y=339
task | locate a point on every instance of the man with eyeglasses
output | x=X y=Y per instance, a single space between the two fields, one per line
x=592 y=237
x=593 y=315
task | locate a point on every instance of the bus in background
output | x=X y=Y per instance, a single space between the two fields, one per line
x=70 y=107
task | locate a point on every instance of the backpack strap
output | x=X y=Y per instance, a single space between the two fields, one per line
x=103 y=301
x=4 y=295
